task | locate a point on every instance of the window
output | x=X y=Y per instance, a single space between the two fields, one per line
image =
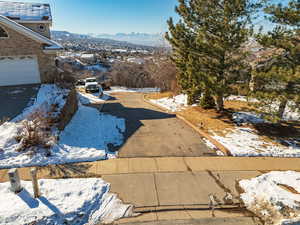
x=3 y=33
x=41 y=27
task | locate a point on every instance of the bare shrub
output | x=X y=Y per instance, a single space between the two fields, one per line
x=36 y=132
x=155 y=72
x=131 y=75
x=163 y=71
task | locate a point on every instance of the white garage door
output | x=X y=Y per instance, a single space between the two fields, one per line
x=19 y=70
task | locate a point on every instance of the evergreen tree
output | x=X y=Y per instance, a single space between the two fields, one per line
x=207 y=44
x=278 y=79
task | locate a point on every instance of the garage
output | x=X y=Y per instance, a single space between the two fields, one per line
x=19 y=70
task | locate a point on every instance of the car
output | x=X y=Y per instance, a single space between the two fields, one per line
x=92 y=87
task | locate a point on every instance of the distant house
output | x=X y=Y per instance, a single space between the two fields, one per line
x=27 y=53
x=88 y=58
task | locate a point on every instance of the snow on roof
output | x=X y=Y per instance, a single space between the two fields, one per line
x=25 y=11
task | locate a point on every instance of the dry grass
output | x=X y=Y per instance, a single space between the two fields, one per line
x=212 y=121
x=157 y=95
x=36 y=132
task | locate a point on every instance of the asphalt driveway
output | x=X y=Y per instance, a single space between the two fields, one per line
x=151 y=132
x=14 y=99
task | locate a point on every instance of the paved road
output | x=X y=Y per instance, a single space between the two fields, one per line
x=15 y=98
x=151 y=132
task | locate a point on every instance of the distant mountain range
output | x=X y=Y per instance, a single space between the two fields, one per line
x=153 y=40
x=156 y=40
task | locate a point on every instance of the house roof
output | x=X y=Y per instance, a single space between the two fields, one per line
x=26 y=12
x=49 y=44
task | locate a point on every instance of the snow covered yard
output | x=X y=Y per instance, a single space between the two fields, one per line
x=246 y=141
x=274 y=197
x=84 y=139
x=236 y=131
x=63 y=201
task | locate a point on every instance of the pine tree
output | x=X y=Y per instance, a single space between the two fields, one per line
x=207 y=44
x=279 y=77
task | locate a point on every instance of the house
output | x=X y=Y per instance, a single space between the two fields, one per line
x=88 y=58
x=27 y=53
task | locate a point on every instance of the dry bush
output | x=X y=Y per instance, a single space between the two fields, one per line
x=267 y=212
x=157 y=71
x=36 y=132
x=131 y=75
x=163 y=71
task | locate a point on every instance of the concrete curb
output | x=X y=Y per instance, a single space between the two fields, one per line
x=201 y=132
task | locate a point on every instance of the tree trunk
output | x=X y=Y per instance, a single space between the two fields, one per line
x=282 y=108
x=219 y=102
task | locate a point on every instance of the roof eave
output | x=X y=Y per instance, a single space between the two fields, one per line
x=52 y=51
x=34 y=21
x=28 y=32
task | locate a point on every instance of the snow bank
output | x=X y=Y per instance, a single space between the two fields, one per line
x=246 y=118
x=89 y=133
x=174 y=104
x=65 y=201
x=213 y=147
x=87 y=98
x=274 y=196
x=245 y=142
x=290 y=112
x=84 y=139
x=125 y=89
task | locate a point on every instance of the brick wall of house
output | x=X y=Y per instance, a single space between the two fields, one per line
x=20 y=45
x=35 y=27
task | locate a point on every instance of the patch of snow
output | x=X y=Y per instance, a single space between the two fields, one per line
x=173 y=104
x=62 y=201
x=84 y=139
x=272 y=189
x=125 y=89
x=245 y=142
x=97 y=67
x=236 y=98
x=213 y=147
x=92 y=98
x=246 y=118
x=290 y=113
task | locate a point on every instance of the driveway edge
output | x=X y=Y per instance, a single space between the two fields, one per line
x=201 y=132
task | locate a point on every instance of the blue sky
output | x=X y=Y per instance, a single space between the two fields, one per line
x=112 y=16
